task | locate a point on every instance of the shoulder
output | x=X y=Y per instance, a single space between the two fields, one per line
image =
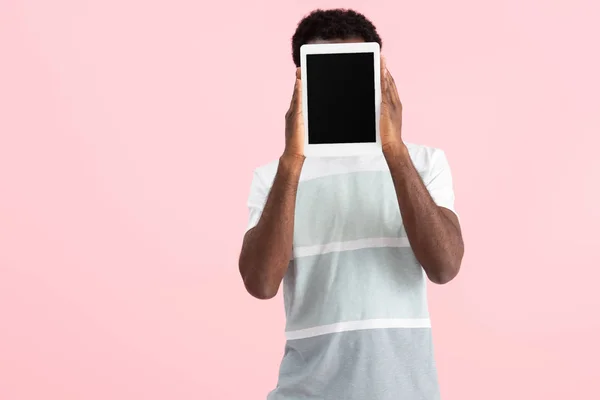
x=426 y=157
x=423 y=153
x=270 y=167
x=265 y=173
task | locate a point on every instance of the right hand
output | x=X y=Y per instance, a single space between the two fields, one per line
x=294 y=122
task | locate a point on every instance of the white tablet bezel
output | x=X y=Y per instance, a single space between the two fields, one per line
x=341 y=149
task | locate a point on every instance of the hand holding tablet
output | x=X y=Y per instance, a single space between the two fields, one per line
x=341 y=98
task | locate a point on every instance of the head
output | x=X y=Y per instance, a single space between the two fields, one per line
x=333 y=26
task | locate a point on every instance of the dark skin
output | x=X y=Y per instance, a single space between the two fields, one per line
x=433 y=232
x=267 y=248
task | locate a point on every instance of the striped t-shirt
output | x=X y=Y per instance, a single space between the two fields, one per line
x=357 y=321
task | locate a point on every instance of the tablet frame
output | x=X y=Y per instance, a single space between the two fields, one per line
x=341 y=149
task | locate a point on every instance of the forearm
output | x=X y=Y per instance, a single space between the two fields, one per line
x=267 y=248
x=434 y=238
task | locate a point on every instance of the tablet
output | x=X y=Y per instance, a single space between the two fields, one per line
x=341 y=97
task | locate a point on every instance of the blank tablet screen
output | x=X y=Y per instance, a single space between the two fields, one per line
x=341 y=98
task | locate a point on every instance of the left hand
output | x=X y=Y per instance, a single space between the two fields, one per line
x=390 y=123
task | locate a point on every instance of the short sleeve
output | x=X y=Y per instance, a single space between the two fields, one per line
x=259 y=191
x=439 y=182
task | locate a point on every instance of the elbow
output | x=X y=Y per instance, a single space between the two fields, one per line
x=444 y=274
x=255 y=286
x=261 y=292
x=441 y=278
x=446 y=269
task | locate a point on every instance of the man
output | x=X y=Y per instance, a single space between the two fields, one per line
x=363 y=235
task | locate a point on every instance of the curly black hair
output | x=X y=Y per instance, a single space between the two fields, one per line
x=332 y=24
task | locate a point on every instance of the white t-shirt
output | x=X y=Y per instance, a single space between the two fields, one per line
x=357 y=321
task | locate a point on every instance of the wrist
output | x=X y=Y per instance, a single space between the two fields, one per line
x=291 y=162
x=395 y=151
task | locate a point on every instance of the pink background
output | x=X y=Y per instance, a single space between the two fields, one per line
x=128 y=135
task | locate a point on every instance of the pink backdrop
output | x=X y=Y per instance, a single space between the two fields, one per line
x=128 y=134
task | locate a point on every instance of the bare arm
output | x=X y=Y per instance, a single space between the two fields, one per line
x=267 y=248
x=433 y=232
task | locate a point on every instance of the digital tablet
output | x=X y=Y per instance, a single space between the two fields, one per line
x=341 y=98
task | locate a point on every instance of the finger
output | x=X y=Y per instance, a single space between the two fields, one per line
x=294 y=93
x=298 y=95
x=295 y=103
x=382 y=74
x=394 y=90
x=386 y=80
x=388 y=88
